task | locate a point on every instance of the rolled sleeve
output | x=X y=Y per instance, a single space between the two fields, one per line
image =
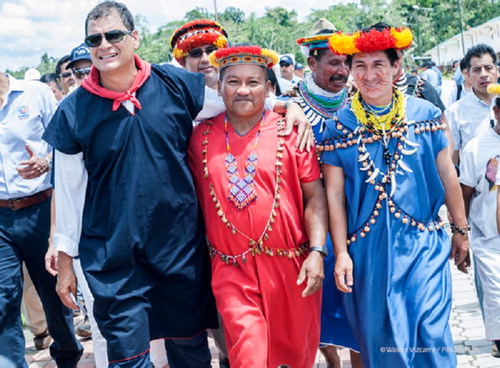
x=71 y=179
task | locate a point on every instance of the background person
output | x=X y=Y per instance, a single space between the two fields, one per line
x=65 y=78
x=50 y=79
x=478 y=168
x=26 y=108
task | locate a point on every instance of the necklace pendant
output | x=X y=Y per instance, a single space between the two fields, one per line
x=241 y=190
x=387 y=156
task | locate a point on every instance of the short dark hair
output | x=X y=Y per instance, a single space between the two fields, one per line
x=271 y=76
x=392 y=54
x=105 y=8
x=61 y=61
x=463 y=65
x=426 y=64
x=497 y=102
x=318 y=54
x=48 y=77
x=478 y=51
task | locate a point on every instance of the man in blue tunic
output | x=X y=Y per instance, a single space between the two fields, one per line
x=125 y=200
x=321 y=94
x=387 y=173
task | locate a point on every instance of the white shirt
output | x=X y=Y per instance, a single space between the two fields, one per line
x=467 y=118
x=478 y=169
x=24 y=115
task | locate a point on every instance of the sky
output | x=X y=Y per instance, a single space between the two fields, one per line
x=30 y=28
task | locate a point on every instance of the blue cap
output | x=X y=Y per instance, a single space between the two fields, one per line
x=79 y=53
x=299 y=66
x=286 y=59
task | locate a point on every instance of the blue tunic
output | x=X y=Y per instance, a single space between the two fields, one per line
x=401 y=299
x=335 y=329
x=142 y=247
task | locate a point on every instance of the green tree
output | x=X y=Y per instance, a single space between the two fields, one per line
x=198 y=13
x=47 y=64
x=346 y=18
x=232 y=14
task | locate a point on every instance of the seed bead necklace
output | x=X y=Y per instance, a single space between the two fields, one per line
x=255 y=246
x=380 y=124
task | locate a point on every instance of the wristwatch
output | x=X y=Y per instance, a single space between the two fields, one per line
x=322 y=249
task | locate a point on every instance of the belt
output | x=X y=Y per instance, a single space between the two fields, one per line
x=20 y=203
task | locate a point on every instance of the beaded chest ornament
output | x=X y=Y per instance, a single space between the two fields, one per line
x=241 y=190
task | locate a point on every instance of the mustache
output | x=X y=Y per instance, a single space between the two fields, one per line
x=338 y=78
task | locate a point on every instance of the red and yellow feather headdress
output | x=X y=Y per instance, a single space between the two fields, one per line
x=197 y=33
x=370 y=41
x=243 y=55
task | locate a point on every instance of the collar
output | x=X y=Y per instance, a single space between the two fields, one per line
x=479 y=100
x=317 y=90
x=15 y=85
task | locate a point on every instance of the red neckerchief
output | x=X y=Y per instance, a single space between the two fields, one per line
x=92 y=85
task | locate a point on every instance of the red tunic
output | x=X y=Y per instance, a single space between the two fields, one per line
x=267 y=322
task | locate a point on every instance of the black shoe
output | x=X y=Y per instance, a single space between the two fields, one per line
x=42 y=341
x=494 y=351
x=223 y=362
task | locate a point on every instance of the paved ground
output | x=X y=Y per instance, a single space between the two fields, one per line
x=466 y=326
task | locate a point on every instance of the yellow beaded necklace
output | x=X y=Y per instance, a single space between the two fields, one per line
x=379 y=124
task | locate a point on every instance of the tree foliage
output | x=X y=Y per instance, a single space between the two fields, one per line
x=432 y=22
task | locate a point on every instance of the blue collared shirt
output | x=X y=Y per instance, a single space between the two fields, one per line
x=24 y=115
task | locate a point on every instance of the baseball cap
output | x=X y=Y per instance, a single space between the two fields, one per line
x=79 y=53
x=299 y=66
x=32 y=74
x=286 y=59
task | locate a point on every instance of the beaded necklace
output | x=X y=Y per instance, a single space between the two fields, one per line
x=322 y=102
x=375 y=123
x=241 y=190
x=255 y=246
x=380 y=180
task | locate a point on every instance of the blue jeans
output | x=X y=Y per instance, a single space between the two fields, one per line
x=24 y=238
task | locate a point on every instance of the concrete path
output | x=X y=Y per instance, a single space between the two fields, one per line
x=466 y=326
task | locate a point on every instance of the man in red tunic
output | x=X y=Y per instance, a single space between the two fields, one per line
x=265 y=216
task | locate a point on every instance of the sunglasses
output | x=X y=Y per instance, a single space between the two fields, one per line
x=197 y=53
x=81 y=73
x=65 y=75
x=115 y=36
x=284 y=64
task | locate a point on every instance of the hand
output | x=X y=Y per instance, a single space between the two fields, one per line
x=295 y=116
x=459 y=248
x=34 y=167
x=51 y=259
x=465 y=264
x=66 y=280
x=312 y=269
x=343 y=272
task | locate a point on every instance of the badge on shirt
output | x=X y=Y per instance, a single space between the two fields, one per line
x=24 y=112
x=491 y=172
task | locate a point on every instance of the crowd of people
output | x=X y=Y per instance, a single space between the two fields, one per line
x=239 y=195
